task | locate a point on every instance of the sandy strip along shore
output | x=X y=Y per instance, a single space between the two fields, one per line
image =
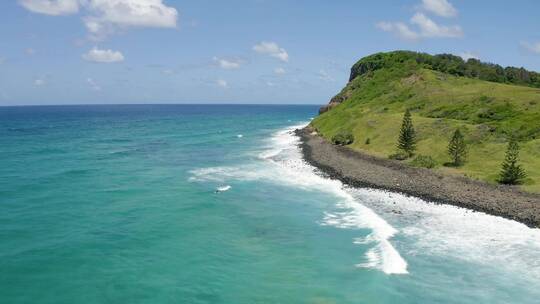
x=361 y=170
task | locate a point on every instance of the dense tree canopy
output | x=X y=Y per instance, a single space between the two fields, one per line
x=448 y=63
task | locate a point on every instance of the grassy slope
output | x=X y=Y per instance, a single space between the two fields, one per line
x=439 y=102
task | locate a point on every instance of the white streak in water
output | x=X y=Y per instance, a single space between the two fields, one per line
x=223 y=188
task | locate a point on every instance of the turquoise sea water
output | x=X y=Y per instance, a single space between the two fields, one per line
x=118 y=204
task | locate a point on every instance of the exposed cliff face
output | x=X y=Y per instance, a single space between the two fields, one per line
x=339 y=98
x=364 y=66
x=336 y=100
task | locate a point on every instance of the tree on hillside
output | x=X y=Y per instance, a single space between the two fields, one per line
x=407 y=136
x=512 y=173
x=457 y=148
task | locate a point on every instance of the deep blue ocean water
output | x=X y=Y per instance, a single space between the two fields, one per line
x=213 y=204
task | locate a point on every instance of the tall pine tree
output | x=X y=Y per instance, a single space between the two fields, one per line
x=407 y=136
x=457 y=148
x=512 y=173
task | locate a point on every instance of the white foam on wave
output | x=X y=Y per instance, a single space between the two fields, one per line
x=445 y=230
x=288 y=167
x=428 y=228
x=382 y=255
x=223 y=188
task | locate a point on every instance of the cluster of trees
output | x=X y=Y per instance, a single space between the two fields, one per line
x=451 y=64
x=474 y=68
x=343 y=138
x=511 y=171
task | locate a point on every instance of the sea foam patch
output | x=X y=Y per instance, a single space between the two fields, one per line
x=445 y=230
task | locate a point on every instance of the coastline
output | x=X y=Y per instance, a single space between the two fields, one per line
x=361 y=170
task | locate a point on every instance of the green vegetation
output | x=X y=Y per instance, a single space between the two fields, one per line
x=457 y=148
x=424 y=161
x=343 y=138
x=450 y=64
x=400 y=155
x=407 y=136
x=487 y=113
x=512 y=173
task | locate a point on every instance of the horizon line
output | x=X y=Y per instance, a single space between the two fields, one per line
x=163 y=104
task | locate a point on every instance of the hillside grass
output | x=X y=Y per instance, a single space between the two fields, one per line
x=487 y=113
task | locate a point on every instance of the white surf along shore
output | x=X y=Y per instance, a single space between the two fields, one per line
x=288 y=167
x=435 y=229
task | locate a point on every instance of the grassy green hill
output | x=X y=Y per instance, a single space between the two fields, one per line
x=382 y=86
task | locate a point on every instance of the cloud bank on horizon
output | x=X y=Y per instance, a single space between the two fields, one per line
x=220 y=54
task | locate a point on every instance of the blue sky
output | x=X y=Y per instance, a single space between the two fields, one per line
x=238 y=51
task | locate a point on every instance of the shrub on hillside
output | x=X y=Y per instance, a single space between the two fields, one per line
x=424 y=161
x=400 y=155
x=343 y=138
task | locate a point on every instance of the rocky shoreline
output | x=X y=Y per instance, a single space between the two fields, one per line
x=361 y=170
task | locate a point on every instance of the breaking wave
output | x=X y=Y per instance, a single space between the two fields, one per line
x=283 y=163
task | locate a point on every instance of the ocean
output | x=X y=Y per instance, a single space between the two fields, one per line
x=214 y=204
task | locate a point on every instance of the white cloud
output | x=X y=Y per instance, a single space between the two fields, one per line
x=279 y=71
x=442 y=8
x=426 y=28
x=468 y=55
x=531 y=47
x=272 y=49
x=324 y=76
x=405 y=32
x=51 y=7
x=270 y=84
x=399 y=28
x=104 y=17
x=93 y=84
x=103 y=56
x=107 y=15
x=227 y=64
x=39 y=82
x=222 y=83
x=422 y=26
x=430 y=29
x=385 y=26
